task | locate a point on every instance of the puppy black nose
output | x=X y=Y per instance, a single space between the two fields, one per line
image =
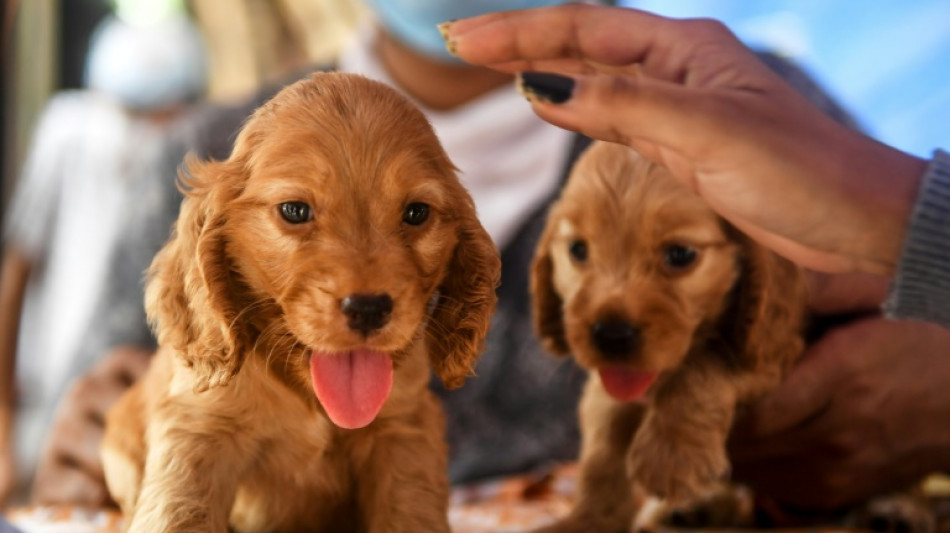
x=366 y=313
x=614 y=338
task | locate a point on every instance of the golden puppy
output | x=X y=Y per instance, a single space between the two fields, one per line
x=678 y=317
x=311 y=281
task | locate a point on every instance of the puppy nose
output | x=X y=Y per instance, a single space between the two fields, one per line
x=614 y=338
x=367 y=312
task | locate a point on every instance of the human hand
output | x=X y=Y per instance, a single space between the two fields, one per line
x=688 y=95
x=862 y=413
x=70 y=470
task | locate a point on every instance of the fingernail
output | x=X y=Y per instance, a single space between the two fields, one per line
x=545 y=87
x=449 y=43
x=444 y=29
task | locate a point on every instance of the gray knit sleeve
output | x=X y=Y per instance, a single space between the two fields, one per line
x=921 y=288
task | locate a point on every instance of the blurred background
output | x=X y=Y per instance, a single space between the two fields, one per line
x=887 y=62
x=248 y=43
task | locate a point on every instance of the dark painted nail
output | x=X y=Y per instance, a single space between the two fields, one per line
x=546 y=87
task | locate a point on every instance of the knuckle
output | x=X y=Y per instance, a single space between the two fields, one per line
x=707 y=27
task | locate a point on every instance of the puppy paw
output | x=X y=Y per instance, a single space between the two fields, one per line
x=676 y=468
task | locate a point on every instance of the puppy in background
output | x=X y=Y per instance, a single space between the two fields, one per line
x=313 y=281
x=678 y=317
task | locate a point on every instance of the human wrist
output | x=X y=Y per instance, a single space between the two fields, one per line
x=884 y=184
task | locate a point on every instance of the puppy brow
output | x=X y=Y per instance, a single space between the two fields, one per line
x=274 y=193
x=429 y=192
x=696 y=233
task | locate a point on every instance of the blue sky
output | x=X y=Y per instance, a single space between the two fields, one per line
x=887 y=62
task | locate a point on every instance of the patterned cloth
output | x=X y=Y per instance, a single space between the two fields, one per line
x=921 y=288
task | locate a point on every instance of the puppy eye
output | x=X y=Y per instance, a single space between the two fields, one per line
x=679 y=257
x=296 y=212
x=416 y=213
x=578 y=250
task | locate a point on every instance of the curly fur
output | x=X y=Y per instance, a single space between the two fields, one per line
x=717 y=333
x=225 y=431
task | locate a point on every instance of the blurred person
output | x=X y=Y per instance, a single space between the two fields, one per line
x=91 y=151
x=519 y=414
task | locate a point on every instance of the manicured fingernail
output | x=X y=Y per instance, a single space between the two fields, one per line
x=444 y=29
x=449 y=43
x=545 y=87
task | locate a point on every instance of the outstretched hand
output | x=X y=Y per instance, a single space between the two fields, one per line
x=688 y=95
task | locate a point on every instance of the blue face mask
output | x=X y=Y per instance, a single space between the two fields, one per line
x=414 y=21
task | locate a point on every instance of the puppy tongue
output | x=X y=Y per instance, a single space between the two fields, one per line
x=625 y=384
x=352 y=386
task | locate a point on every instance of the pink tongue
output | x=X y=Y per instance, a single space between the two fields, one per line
x=352 y=386
x=625 y=384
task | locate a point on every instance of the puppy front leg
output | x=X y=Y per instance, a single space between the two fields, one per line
x=606 y=498
x=679 y=452
x=190 y=480
x=403 y=486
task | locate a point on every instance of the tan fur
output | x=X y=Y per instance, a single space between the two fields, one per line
x=720 y=333
x=225 y=430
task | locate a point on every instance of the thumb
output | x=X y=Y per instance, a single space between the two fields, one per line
x=625 y=109
x=804 y=393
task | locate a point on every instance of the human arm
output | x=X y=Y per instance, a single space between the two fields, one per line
x=690 y=96
x=13 y=279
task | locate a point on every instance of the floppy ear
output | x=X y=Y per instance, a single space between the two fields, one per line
x=546 y=303
x=465 y=304
x=769 y=308
x=191 y=290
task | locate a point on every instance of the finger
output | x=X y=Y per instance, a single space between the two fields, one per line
x=812 y=436
x=572 y=31
x=626 y=109
x=567 y=67
x=664 y=48
x=830 y=294
x=63 y=484
x=76 y=442
x=802 y=396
